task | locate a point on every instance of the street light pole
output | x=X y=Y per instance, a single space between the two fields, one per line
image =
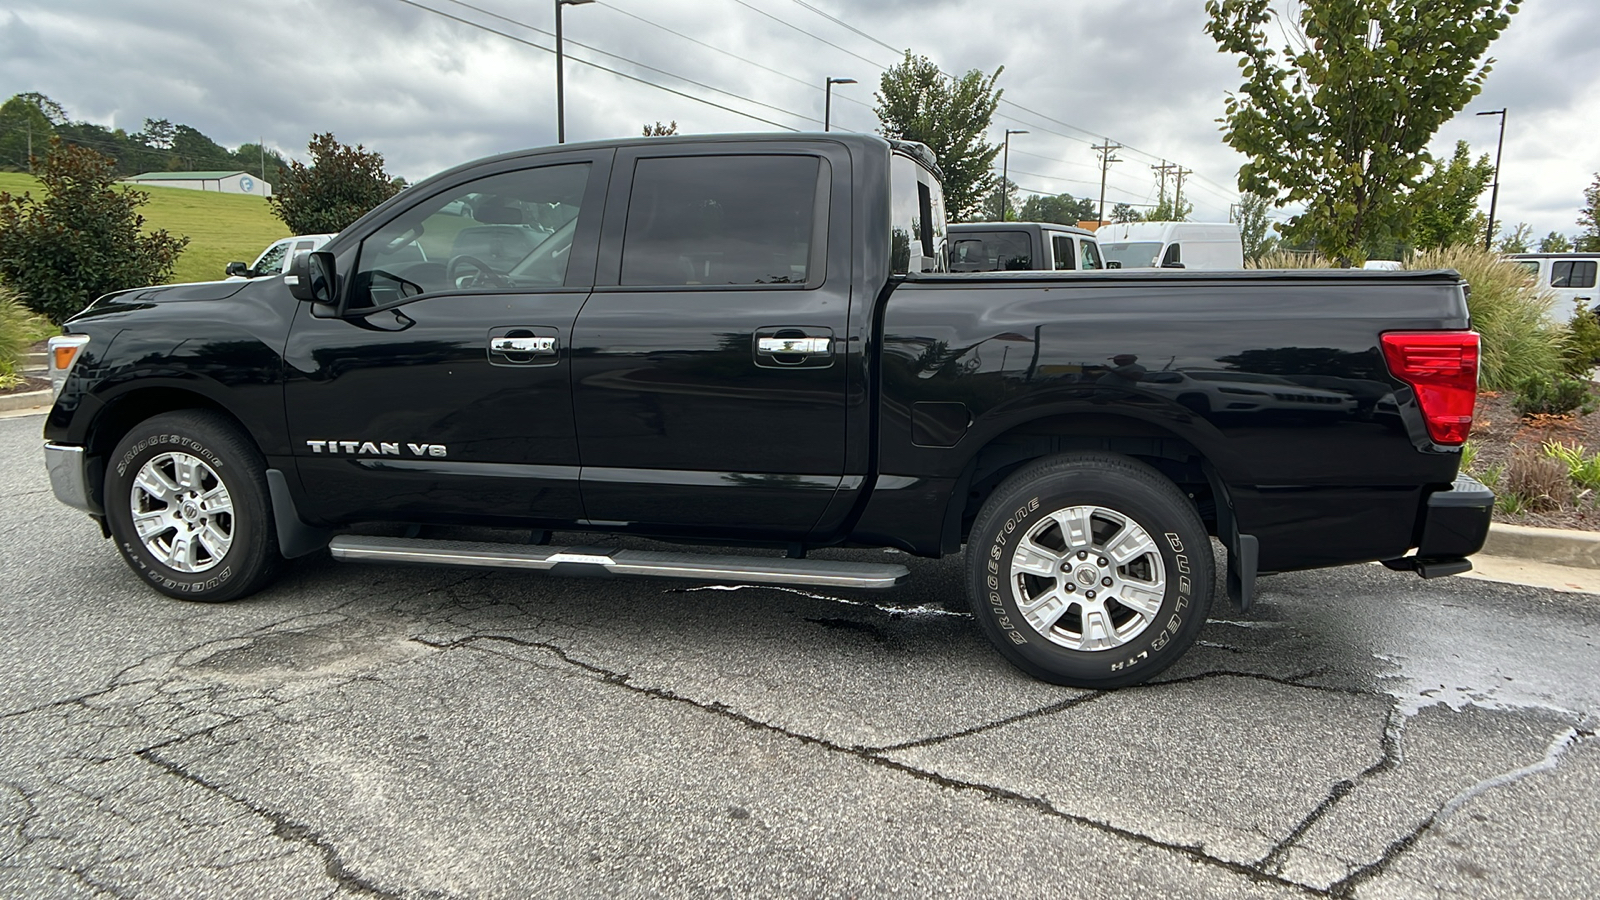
x=561 y=87
x=827 y=103
x=1494 y=197
x=1005 y=169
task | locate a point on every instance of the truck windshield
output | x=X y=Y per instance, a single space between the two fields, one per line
x=1132 y=254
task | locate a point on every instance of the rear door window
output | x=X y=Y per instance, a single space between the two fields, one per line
x=1061 y=247
x=1091 y=255
x=1573 y=273
x=724 y=220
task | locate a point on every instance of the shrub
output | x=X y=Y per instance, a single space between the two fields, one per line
x=1580 y=352
x=340 y=186
x=1558 y=396
x=1290 y=259
x=1582 y=467
x=82 y=239
x=16 y=333
x=1508 y=310
x=1540 y=482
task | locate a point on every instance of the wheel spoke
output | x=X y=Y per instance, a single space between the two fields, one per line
x=216 y=501
x=1035 y=560
x=214 y=540
x=150 y=524
x=1142 y=600
x=1129 y=544
x=1045 y=610
x=188 y=469
x=154 y=482
x=1098 y=632
x=1076 y=528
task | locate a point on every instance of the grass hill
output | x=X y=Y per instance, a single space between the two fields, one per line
x=221 y=227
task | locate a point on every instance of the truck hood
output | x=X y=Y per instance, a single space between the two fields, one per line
x=200 y=290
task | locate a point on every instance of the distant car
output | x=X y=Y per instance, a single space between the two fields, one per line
x=1568 y=277
x=276 y=258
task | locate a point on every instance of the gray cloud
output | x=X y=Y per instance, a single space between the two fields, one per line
x=430 y=93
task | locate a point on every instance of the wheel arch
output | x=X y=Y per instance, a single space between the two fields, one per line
x=1174 y=455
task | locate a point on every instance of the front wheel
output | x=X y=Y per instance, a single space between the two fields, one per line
x=1089 y=569
x=186 y=500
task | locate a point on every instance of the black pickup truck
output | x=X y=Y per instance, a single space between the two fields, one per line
x=751 y=342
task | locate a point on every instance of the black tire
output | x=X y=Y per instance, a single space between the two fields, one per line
x=1113 y=645
x=188 y=520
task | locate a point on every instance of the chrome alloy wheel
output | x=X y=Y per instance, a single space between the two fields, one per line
x=182 y=512
x=1088 y=578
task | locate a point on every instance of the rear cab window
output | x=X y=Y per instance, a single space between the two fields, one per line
x=991 y=251
x=726 y=220
x=917 y=240
x=1061 y=248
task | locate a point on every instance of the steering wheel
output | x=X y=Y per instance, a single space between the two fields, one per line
x=484 y=276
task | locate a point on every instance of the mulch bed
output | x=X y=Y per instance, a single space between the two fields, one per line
x=1498 y=432
x=28 y=384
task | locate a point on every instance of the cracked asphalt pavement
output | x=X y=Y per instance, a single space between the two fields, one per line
x=396 y=732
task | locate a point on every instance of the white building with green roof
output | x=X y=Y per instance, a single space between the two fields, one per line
x=236 y=182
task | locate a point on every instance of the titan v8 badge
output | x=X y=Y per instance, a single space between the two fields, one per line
x=375 y=448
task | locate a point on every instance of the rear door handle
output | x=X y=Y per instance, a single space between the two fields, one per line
x=794 y=348
x=523 y=344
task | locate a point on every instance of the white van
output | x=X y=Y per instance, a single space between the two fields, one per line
x=1172 y=245
x=1569 y=276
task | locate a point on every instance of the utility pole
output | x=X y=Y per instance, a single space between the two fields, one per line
x=30 y=146
x=1494 y=197
x=263 y=146
x=1107 y=157
x=1005 y=170
x=1177 y=202
x=1161 y=179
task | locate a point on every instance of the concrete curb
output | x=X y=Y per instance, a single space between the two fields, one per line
x=1559 y=546
x=28 y=400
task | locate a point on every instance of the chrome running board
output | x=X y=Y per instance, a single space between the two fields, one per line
x=605 y=561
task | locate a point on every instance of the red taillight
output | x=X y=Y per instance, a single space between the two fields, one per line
x=1442 y=367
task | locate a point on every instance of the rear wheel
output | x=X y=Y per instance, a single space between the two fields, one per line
x=186 y=500
x=1089 y=569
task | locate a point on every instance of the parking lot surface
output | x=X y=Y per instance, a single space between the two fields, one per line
x=393 y=732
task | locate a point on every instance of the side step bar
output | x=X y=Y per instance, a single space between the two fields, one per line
x=607 y=562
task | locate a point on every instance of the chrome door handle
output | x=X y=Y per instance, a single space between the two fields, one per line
x=812 y=346
x=522 y=344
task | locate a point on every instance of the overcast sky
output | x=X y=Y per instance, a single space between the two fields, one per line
x=429 y=92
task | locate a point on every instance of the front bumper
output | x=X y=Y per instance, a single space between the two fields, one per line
x=69 y=477
x=1455 y=523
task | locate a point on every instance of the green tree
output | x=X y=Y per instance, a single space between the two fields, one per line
x=1338 y=119
x=157 y=133
x=340 y=186
x=82 y=239
x=1555 y=242
x=659 y=130
x=194 y=152
x=1169 y=210
x=1588 y=241
x=989 y=211
x=1254 y=227
x=1520 y=240
x=1124 y=212
x=1063 y=209
x=917 y=102
x=1442 y=210
x=258 y=161
x=27 y=122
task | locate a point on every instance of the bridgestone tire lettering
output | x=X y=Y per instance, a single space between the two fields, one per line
x=252 y=559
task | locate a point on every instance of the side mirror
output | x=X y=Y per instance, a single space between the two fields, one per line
x=313 y=278
x=237 y=268
x=1113 y=264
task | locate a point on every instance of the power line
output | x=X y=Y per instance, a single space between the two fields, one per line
x=660 y=87
x=535 y=28
x=809 y=34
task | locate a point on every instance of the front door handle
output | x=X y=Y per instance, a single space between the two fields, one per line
x=810 y=346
